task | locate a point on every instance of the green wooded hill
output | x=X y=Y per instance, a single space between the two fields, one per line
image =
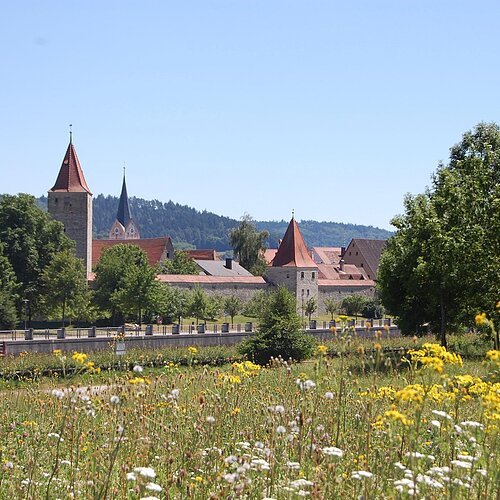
x=190 y=228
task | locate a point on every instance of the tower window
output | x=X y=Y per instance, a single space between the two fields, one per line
x=313 y=275
x=302 y=275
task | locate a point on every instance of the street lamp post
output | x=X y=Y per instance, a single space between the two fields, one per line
x=26 y=301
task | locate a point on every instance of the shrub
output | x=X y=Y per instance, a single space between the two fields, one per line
x=280 y=332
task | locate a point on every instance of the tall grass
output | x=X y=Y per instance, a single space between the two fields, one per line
x=326 y=428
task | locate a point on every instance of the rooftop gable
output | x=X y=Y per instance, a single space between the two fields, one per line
x=293 y=251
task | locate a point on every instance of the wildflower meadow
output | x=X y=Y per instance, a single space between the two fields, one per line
x=346 y=424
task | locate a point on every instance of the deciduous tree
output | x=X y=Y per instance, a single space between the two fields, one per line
x=249 y=245
x=64 y=284
x=31 y=240
x=443 y=264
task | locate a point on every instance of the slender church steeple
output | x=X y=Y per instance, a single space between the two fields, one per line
x=124 y=227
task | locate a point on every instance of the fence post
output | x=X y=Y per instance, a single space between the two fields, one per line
x=149 y=329
x=61 y=333
x=28 y=334
x=91 y=331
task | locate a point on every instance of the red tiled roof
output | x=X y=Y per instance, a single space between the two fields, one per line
x=202 y=254
x=71 y=178
x=200 y=279
x=350 y=272
x=345 y=283
x=293 y=251
x=328 y=255
x=153 y=247
x=269 y=254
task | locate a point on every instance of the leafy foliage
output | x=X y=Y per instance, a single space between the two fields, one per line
x=8 y=293
x=31 y=239
x=203 y=306
x=249 y=245
x=180 y=264
x=125 y=283
x=310 y=307
x=280 y=332
x=232 y=306
x=332 y=306
x=442 y=265
x=354 y=304
x=65 y=285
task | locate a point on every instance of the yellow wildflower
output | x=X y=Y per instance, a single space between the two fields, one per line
x=480 y=319
x=79 y=357
x=322 y=349
x=192 y=349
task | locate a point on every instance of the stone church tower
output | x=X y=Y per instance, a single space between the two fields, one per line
x=294 y=268
x=70 y=202
x=124 y=227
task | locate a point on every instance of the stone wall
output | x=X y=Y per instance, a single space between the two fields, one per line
x=241 y=290
x=74 y=211
x=338 y=292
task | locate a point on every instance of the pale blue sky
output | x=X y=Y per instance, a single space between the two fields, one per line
x=334 y=109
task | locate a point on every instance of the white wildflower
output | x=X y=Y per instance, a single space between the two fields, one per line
x=436 y=423
x=131 y=476
x=472 y=423
x=138 y=369
x=461 y=464
x=332 y=451
x=301 y=483
x=210 y=419
x=153 y=487
x=280 y=429
x=329 y=395
x=57 y=393
x=114 y=400
x=361 y=474
x=442 y=414
x=147 y=472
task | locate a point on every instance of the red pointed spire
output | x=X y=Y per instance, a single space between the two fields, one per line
x=71 y=178
x=293 y=251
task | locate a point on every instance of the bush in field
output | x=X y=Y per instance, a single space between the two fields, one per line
x=373 y=309
x=280 y=332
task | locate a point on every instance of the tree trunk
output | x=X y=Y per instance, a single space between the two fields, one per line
x=443 y=324
x=63 y=312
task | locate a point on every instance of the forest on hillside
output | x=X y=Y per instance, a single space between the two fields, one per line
x=191 y=228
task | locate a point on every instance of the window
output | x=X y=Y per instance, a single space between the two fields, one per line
x=313 y=275
x=356 y=253
x=168 y=255
x=302 y=292
x=287 y=275
x=361 y=264
x=302 y=275
x=308 y=292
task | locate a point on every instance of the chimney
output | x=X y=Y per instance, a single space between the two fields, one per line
x=342 y=252
x=229 y=263
x=341 y=264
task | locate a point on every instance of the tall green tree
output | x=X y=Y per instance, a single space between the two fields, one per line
x=203 y=306
x=8 y=293
x=353 y=304
x=180 y=264
x=249 y=245
x=310 y=307
x=122 y=271
x=173 y=304
x=65 y=287
x=280 y=332
x=443 y=264
x=31 y=240
x=332 y=306
x=232 y=306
